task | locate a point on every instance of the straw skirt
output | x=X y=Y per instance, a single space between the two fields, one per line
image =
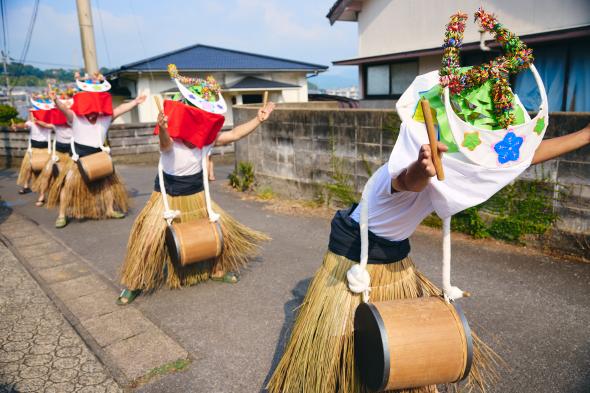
x=25 y=173
x=319 y=356
x=52 y=169
x=90 y=200
x=148 y=266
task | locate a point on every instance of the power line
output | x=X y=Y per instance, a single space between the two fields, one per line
x=23 y=55
x=104 y=38
x=54 y=64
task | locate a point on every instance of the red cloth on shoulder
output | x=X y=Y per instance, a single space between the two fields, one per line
x=52 y=116
x=86 y=102
x=191 y=124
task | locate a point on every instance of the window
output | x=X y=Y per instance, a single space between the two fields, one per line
x=402 y=76
x=389 y=80
x=252 y=98
x=378 y=80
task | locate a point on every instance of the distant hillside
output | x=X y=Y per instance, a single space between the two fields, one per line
x=336 y=78
x=28 y=75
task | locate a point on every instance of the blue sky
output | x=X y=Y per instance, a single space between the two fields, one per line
x=129 y=30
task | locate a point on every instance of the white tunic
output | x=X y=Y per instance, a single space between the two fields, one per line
x=63 y=134
x=181 y=160
x=394 y=216
x=88 y=134
x=37 y=132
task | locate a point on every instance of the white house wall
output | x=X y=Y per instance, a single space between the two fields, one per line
x=395 y=26
x=155 y=84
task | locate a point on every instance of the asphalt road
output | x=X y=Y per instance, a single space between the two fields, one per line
x=532 y=309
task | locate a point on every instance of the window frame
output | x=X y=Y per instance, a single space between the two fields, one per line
x=389 y=96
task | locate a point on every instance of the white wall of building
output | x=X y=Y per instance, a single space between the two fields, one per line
x=154 y=84
x=394 y=26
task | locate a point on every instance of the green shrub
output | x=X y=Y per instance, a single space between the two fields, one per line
x=242 y=178
x=8 y=113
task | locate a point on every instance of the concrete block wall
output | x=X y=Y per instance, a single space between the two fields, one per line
x=293 y=153
x=129 y=143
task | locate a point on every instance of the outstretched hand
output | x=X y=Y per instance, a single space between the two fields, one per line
x=140 y=98
x=163 y=121
x=425 y=163
x=264 y=112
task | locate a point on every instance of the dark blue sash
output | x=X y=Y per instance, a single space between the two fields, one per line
x=84 y=150
x=181 y=185
x=345 y=240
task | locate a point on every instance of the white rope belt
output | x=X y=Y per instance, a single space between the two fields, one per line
x=169 y=214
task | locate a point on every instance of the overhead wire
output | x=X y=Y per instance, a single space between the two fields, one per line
x=104 y=37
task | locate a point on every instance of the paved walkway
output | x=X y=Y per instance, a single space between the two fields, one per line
x=39 y=350
x=534 y=310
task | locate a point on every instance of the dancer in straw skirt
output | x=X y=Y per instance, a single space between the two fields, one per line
x=319 y=356
x=90 y=117
x=188 y=129
x=39 y=144
x=61 y=150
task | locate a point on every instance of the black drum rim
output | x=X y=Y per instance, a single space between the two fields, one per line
x=172 y=240
x=383 y=339
x=83 y=171
x=469 y=340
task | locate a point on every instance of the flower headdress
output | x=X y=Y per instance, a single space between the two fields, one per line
x=94 y=84
x=517 y=57
x=202 y=93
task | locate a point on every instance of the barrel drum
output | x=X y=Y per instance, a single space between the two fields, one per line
x=410 y=343
x=195 y=241
x=96 y=166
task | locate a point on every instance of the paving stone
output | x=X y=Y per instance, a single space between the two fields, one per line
x=93 y=305
x=40 y=250
x=63 y=273
x=119 y=325
x=33 y=238
x=144 y=352
x=78 y=287
x=52 y=260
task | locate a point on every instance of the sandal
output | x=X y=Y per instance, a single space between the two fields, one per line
x=39 y=203
x=61 y=222
x=116 y=214
x=127 y=296
x=25 y=190
x=228 y=278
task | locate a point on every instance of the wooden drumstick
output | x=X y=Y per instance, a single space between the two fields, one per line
x=265 y=99
x=158 y=103
x=440 y=174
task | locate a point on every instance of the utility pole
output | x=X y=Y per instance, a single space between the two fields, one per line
x=87 y=35
x=8 y=92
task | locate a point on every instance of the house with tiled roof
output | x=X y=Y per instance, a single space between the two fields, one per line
x=243 y=76
x=400 y=39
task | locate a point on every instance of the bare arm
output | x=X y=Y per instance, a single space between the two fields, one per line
x=416 y=177
x=45 y=125
x=127 y=106
x=62 y=107
x=244 y=129
x=555 y=147
x=165 y=140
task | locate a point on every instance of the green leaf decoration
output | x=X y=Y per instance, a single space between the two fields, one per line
x=471 y=140
x=540 y=126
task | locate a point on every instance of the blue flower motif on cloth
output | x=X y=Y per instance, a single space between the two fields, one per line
x=508 y=149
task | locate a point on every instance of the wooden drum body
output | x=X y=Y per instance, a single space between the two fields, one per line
x=196 y=241
x=96 y=166
x=409 y=343
x=39 y=158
